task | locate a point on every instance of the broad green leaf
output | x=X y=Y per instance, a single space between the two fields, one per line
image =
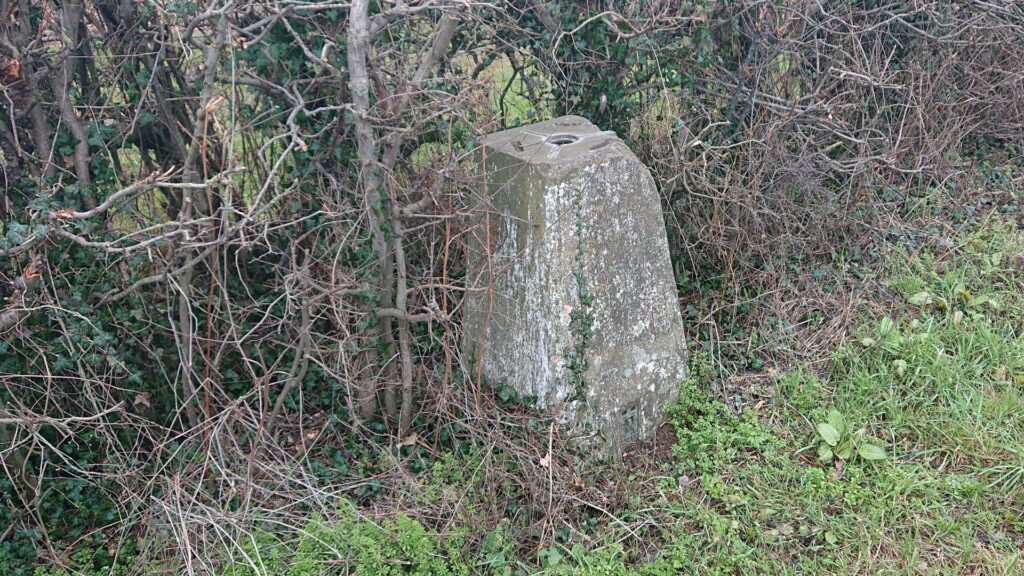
x=922 y=298
x=828 y=433
x=554 y=556
x=870 y=452
x=845 y=450
x=837 y=421
x=824 y=453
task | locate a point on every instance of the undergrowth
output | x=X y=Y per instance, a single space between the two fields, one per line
x=904 y=458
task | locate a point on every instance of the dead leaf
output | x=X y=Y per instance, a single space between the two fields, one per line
x=32 y=271
x=141 y=399
x=839 y=470
x=410 y=440
x=10 y=71
x=546 y=460
x=214 y=103
x=1000 y=373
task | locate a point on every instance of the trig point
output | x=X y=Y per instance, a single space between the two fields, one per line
x=572 y=297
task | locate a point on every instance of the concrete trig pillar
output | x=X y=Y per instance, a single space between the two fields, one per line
x=573 y=300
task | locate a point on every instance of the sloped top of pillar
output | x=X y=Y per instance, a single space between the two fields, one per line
x=567 y=140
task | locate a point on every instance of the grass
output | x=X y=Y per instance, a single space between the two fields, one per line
x=938 y=383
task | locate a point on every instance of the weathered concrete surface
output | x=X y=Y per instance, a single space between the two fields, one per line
x=581 y=309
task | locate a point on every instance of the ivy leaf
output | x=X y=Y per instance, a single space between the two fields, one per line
x=828 y=433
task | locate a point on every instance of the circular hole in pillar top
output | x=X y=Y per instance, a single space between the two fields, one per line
x=562 y=139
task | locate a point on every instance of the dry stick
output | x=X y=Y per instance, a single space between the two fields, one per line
x=440 y=39
x=444 y=280
x=146 y=183
x=299 y=365
x=35 y=420
x=358 y=43
x=405 y=349
x=359 y=85
x=189 y=174
x=208 y=360
x=40 y=127
x=24 y=285
x=551 y=477
x=14 y=460
x=516 y=70
x=71 y=17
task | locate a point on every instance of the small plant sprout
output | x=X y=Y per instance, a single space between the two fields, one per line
x=837 y=440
